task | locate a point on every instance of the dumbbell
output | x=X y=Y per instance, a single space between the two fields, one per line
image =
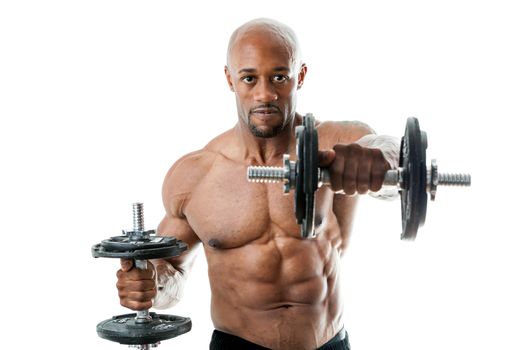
x=412 y=178
x=143 y=330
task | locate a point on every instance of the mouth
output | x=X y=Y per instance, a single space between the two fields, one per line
x=265 y=112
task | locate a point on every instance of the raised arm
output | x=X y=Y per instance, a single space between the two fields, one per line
x=357 y=164
x=359 y=159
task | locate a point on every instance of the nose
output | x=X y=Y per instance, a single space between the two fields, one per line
x=265 y=92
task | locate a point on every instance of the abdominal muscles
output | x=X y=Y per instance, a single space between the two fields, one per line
x=275 y=291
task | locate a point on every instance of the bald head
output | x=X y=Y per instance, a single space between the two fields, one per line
x=273 y=30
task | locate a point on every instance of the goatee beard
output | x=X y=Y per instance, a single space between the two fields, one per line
x=265 y=134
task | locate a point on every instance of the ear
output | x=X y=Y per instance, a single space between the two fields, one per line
x=228 y=78
x=302 y=74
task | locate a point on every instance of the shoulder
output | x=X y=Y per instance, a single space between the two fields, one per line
x=343 y=131
x=188 y=172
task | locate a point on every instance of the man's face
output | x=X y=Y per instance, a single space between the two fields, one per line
x=261 y=74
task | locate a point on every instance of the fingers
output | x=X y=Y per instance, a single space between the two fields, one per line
x=126 y=285
x=344 y=169
x=337 y=169
x=126 y=264
x=136 y=287
x=325 y=158
x=136 y=305
x=378 y=171
x=137 y=295
x=136 y=274
x=350 y=175
x=363 y=173
x=356 y=169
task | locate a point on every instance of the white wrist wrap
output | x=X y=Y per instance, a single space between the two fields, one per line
x=390 y=147
x=170 y=287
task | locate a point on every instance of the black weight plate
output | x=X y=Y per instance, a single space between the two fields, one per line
x=299 y=200
x=413 y=194
x=125 y=243
x=311 y=174
x=423 y=189
x=124 y=330
x=175 y=248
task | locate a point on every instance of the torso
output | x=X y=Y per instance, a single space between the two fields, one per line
x=269 y=286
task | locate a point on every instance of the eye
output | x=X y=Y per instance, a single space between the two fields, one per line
x=248 y=79
x=280 y=78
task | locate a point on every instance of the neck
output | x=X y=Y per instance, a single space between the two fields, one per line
x=269 y=151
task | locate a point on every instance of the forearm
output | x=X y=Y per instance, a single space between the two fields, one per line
x=390 y=147
x=170 y=285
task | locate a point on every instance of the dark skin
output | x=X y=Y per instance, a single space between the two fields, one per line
x=269 y=286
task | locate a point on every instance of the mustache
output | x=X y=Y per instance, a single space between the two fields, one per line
x=266 y=106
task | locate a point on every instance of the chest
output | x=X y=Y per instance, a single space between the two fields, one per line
x=227 y=211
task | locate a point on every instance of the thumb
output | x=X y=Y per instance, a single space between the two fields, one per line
x=126 y=264
x=326 y=158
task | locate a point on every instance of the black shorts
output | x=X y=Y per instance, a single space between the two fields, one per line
x=225 y=341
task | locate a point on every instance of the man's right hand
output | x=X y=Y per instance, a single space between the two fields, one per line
x=136 y=287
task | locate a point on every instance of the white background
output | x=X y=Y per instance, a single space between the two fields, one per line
x=99 y=98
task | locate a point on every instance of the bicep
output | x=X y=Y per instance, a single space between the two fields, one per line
x=179 y=228
x=352 y=131
x=180 y=181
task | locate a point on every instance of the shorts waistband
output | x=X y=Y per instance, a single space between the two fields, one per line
x=341 y=335
x=221 y=340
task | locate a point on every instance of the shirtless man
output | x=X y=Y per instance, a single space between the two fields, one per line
x=270 y=288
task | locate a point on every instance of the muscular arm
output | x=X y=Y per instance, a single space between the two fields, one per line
x=363 y=135
x=390 y=148
x=171 y=274
x=360 y=133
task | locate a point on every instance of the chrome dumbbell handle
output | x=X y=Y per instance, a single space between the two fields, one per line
x=138 y=231
x=393 y=178
x=274 y=174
